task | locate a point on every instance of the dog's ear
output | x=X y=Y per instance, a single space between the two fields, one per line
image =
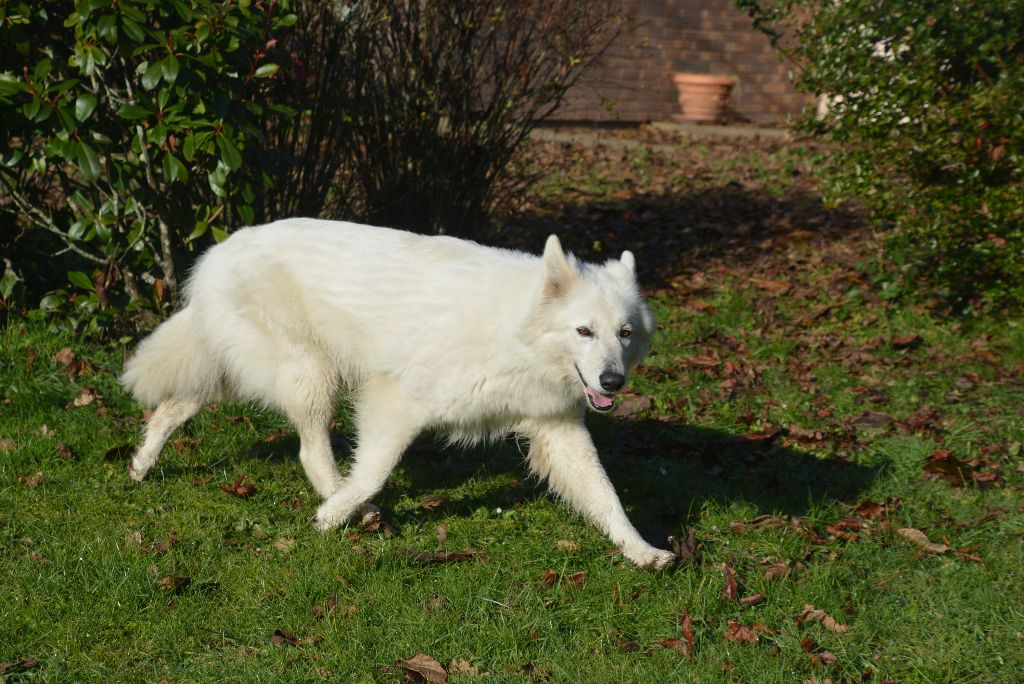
x=558 y=272
x=629 y=261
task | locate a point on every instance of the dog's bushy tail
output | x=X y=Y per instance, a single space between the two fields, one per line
x=172 y=364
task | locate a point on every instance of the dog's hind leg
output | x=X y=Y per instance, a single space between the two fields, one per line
x=386 y=422
x=169 y=415
x=305 y=387
x=563 y=452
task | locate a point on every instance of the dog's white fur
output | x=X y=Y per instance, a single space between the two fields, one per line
x=423 y=333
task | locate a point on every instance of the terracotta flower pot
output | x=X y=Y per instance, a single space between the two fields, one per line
x=703 y=97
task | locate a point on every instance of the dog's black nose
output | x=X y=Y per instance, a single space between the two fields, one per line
x=612 y=382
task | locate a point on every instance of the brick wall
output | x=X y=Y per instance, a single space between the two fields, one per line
x=632 y=81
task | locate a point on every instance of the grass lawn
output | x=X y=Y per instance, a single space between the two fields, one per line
x=840 y=471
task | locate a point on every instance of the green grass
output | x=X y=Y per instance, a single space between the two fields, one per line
x=82 y=570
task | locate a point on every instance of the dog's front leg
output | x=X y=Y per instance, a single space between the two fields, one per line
x=386 y=423
x=563 y=452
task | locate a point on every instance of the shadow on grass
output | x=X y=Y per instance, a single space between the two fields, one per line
x=671 y=233
x=664 y=473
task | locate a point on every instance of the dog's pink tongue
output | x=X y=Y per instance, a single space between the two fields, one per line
x=600 y=400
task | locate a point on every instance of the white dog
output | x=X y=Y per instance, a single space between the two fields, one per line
x=424 y=333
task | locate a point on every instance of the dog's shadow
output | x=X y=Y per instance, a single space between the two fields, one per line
x=664 y=472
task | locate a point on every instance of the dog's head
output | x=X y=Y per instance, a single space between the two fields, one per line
x=597 y=326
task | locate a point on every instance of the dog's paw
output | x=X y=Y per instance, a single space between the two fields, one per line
x=663 y=560
x=137 y=475
x=650 y=557
x=323 y=524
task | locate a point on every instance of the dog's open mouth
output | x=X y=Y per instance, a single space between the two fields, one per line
x=599 y=401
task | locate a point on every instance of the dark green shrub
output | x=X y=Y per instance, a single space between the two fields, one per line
x=135 y=132
x=130 y=132
x=455 y=87
x=926 y=110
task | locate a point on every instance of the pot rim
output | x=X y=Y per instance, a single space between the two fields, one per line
x=703 y=79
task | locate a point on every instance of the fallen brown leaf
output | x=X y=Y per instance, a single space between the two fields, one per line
x=753 y=600
x=38 y=558
x=64 y=357
x=687 y=550
x=174 y=584
x=327 y=609
x=85 y=397
x=920 y=539
x=64 y=452
x=776 y=570
x=238 y=489
x=872 y=420
x=158 y=547
x=740 y=633
x=772 y=522
x=423 y=668
x=686 y=644
x=31 y=481
x=827 y=621
x=776 y=287
x=577 y=578
x=942 y=464
x=282 y=637
x=626 y=644
x=632 y=404
x=700 y=361
x=730 y=590
x=680 y=645
x=567 y=545
x=464 y=667
x=433 y=502
x=6 y=444
x=18 y=666
x=906 y=341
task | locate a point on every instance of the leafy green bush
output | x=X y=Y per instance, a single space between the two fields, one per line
x=130 y=133
x=135 y=132
x=925 y=105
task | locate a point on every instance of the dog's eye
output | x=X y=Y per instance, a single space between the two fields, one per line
x=584 y=331
x=625 y=332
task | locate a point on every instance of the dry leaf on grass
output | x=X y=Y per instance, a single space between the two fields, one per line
x=776 y=287
x=744 y=634
x=85 y=397
x=731 y=590
x=680 y=645
x=920 y=540
x=464 y=667
x=238 y=489
x=31 y=481
x=423 y=668
x=327 y=609
x=174 y=584
x=18 y=666
x=827 y=621
x=433 y=502
x=753 y=600
x=567 y=545
x=632 y=404
x=282 y=637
